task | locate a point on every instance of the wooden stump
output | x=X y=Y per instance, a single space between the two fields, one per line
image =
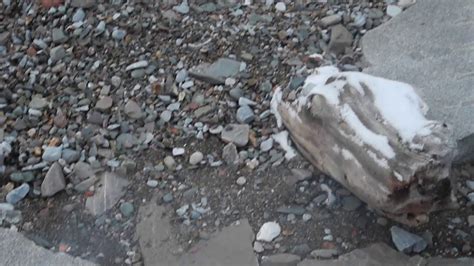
x=370 y=134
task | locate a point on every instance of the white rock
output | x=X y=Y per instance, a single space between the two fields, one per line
x=280 y=6
x=268 y=231
x=241 y=181
x=196 y=158
x=393 y=10
x=178 y=151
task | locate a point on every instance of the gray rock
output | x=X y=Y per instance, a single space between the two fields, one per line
x=57 y=53
x=330 y=20
x=301 y=174
x=111 y=189
x=52 y=154
x=133 y=110
x=71 y=156
x=230 y=154
x=291 y=210
x=470 y=184
x=58 y=35
x=341 y=40
x=301 y=250
x=79 y=15
x=126 y=208
x=217 y=72
x=86 y=184
x=169 y=162
x=236 y=93
x=324 y=253
x=118 y=34
x=245 y=114
x=282 y=259
x=266 y=145
x=166 y=115
x=196 y=158
x=126 y=141
x=236 y=133
x=54 y=181
x=470 y=220
x=137 y=65
x=350 y=203
x=406 y=241
x=183 y=8
x=83 y=3
x=15 y=249
x=38 y=103
x=168 y=197
x=17 y=194
x=431 y=62
x=116 y=81
x=22 y=177
x=393 y=10
x=105 y=103
x=82 y=170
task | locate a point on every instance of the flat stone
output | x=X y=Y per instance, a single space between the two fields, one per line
x=133 y=110
x=324 y=253
x=266 y=145
x=159 y=245
x=79 y=15
x=217 y=72
x=21 y=177
x=350 y=203
x=236 y=133
x=282 y=259
x=105 y=103
x=71 y=156
x=381 y=254
x=83 y=170
x=111 y=189
x=341 y=40
x=58 y=35
x=54 y=181
x=434 y=59
x=196 y=158
x=406 y=241
x=57 y=53
x=137 y=65
x=83 y=3
x=268 y=231
x=38 y=103
x=330 y=20
x=15 y=249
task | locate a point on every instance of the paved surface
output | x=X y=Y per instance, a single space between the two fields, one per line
x=15 y=249
x=431 y=45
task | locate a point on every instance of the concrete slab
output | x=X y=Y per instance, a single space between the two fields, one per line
x=431 y=46
x=230 y=247
x=381 y=254
x=15 y=249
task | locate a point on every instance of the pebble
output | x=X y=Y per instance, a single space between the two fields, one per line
x=167 y=198
x=236 y=133
x=266 y=145
x=103 y=104
x=126 y=208
x=152 y=183
x=258 y=247
x=196 y=158
x=182 y=210
x=351 y=203
x=324 y=253
x=22 y=177
x=268 y=232
x=330 y=20
x=280 y=6
x=241 y=181
x=17 y=194
x=79 y=15
x=137 y=65
x=57 y=53
x=183 y=8
x=118 y=34
x=133 y=110
x=393 y=10
x=230 y=154
x=169 y=162
x=245 y=114
x=178 y=151
x=406 y=241
x=470 y=220
x=306 y=217
x=52 y=154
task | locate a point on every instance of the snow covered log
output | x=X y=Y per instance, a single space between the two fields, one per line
x=371 y=135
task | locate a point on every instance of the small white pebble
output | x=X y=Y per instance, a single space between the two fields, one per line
x=280 y=6
x=241 y=181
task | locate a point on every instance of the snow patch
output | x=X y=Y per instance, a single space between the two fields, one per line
x=397 y=102
x=376 y=141
x=282 y=139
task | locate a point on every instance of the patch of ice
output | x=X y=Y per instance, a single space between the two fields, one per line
x=282 y=139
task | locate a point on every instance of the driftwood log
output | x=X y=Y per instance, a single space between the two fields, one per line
x=371 y=135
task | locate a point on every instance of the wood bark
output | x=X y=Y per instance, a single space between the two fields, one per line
x=405 y=188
